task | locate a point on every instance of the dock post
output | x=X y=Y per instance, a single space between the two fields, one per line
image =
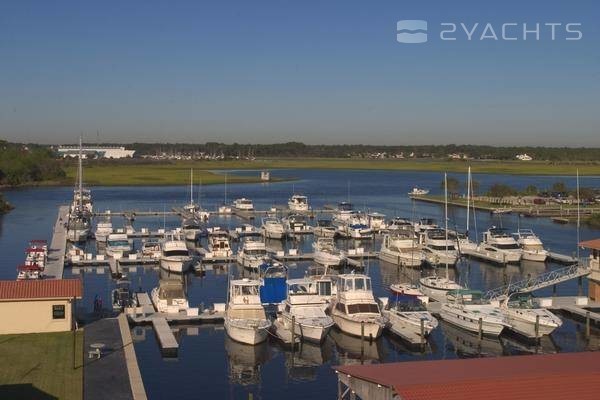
x=480 y=333
x=587 y=324
x=422 y=331
x=554 y=290
x=580 y=286
x=362 y=339
x=293 y=332
x=537 y=328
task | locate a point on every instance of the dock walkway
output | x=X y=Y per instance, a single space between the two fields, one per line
x=56 y=253
x=165 y=335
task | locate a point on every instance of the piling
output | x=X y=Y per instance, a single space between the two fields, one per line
x=293 y=332
x=580 y=286
x=537 y=327
x=362 y=339
x=422 y=331
x=587 y=324
x=480 y=333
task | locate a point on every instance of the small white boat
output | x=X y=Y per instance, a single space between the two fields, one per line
x=324 y=228
x=418 y=192
x=245 y=318
x=425 y=224
x=169 y=297
x=401 y=248
x=497 y=240
x=344 y=211
x=298 y=203
x=296 y=223
x=122 y=296
x=409 y=290
x=175 y=256
x=325 y=253
x=399 y=224
x=376 y=221
x=118 y=245
x=103 y=229
x=355 y=226
x=243 y=204
x=191 y=228
x=26 y=272
x=408 y=314
x=467 y=310
x=531 y=245
x=523 y=313
x=355 y=310
x=439 y=247
x=151 y=248
x=252 y=254
x=306 y=307
x=438 y=287
x=272 y=228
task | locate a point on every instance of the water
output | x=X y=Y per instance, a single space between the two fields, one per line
x=211 y=365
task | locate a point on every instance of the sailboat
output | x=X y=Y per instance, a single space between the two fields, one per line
x=78 y=226
x=194 y=209
x=465 y=245
x=225 y=208
x=434 y=286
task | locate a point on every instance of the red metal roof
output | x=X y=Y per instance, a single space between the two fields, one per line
x=40 y=289
x=535 y=377
x=591 y=244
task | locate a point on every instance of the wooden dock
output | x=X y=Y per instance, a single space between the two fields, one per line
x=56 y=253
x=165 y=335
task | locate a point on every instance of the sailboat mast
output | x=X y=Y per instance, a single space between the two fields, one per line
x=578 y=214
x=468 y=198
x=80 y=172
x=225 y=187
x=191 y=186
x=446 y=216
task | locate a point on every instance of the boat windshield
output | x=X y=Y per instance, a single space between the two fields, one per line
x=357 y=284
x=257 y=252
x=363 y=308
x=449 y=247
x=508 y=246
x=176 y=253
x=118 y=243
x=246 y=290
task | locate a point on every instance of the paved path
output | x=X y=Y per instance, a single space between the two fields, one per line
x=56 y=253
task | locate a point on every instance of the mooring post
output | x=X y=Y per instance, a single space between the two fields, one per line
x=293 y=332
x=554 y=290
x=537 y=328
x=362 y=339
x=422 y=331
x=580 y=286
x=480 y=334
x=587 y=324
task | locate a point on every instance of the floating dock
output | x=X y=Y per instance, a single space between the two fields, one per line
x=165 y=335
x=56 y=253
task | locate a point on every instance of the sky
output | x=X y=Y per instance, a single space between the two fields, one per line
x=319 y=72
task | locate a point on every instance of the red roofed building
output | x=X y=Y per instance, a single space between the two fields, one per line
x=36 y=306
x=594 y=276
x=532 y=377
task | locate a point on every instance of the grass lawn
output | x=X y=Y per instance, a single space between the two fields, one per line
x=40 y=366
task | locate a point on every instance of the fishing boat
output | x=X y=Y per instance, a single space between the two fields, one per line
x=152 y=249
x=272 y=228
x=376 y=221
x=175 y=255
x=407 y=314
x=103 y=229
x=218 y=243
x=245 y=318
x=405 y=290
x=531 y=246
x=325 y=252
x=296 y=224
x=439 y=247
x=243 y=204
x=192 y=228
x=170 y=297
x=467 y=310
x=418 y=192
x=499 y=241
x=525 y=316
x=118 y=245
x=355 y=310
x=401 y=248
x=305 y=307
x=324 y=228
x=298 y=203
x=252 y=254
x=122 y=296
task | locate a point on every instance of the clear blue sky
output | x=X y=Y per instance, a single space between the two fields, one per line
x=314 y=71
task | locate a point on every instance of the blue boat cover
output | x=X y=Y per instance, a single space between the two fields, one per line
x=273 y=290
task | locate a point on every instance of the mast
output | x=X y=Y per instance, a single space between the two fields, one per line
x=80 y=173
x=468 y=198
x=446 y=217
x=225 y=187
x=191 y=186
x=578 y=214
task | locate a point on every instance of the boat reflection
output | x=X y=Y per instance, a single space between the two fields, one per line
x=245 y=361
x=351 y=352
x=517 y=345
x=303 y=364
x=467 y=344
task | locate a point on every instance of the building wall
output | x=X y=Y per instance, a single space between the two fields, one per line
x=33 y=316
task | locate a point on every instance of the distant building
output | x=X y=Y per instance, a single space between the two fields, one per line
x=265 y=176
x=96 y=152
x=38 y=306
x=524 y=157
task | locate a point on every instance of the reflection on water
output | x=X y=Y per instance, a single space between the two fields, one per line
x=245 y=361
x=303 y=363
x=467 y=344
x=351 y=350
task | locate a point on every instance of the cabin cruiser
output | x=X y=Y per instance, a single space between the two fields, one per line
x=305 y=307
x=376 y=221
x=465 y=245
x=169 y=296
x=522 y=313
x=401 y=248
x=272 y=228
x=33 y=271
x=36 y=256
x=344 y=210
x=354 y=227
x=252 y=254
x=191 y=228
x=118 y=245
x=175 y=256
x=425 y=224
x=218 y=243
x=408 y=290
x=243 y=204
x=121 y=296
x=103 y=229
x=407 y=313
x=245 y=317
x=355 y=307
x=466 y=309
x=296 y=223
x=439 y=247
x=400 y=224
x=151 y=248
x=531 y=245
x=438 y=287
x=497 y=240
x=78 y=226
x=298 y=203
x=418 y=192
x=324 y=228
x=325 y=252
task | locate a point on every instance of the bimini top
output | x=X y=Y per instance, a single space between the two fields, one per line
x=531 y=377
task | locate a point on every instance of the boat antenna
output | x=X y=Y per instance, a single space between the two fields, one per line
x=446 y=218
x=80 y=172
x=468 y=198
x=578 y=214
x=191 y=186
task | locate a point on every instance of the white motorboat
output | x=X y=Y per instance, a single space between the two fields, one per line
x=175 y=256
x=122 y=296
x=531 y=245
x=36 y=255
x=245 y=318
x=298 y=203
x=409 y=290
x=497 y=240
x=191 y=228
x=355 y=310
x=325 y=252
x=523 y=314
x=103 y=229
x=407 y=313
x=324 y=228
x=252 y=254
x=78 y=227
x=439 y=247
x=272 y=228
x=376 y=221
x=401 y=248
x=170 y=297
x=151 y=248
x=399 y=224
x=425 y=224
x=296 y=224
x=243 y=204
x=355 y=226
x=418 y=192
x=33 y=271
x=218 y=243
x=467 y=310
x=118 y=245
x=437 y=287
x=305 y=306
x=344 y=211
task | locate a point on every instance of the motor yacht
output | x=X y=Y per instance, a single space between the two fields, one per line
x=295 y=223
x=531 y=246
x=218 y=243
x=467 y=310
x=401 y=248
x=192 y=228
x=252 y=254
x=175 y=256
x=325 y=252
x=354 y=310
x=439 y=247
x=272 y=228
x=103 y=229
x=298 y=203
x=408 y=313
x=152 y=249
x=497 y=240
x=245 y=318
x=376 y=221
x=118 y=245
x=523 y=313
x=243 y=204
x=324 y=228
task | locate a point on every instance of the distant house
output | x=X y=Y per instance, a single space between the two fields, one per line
x=97 y=152
x=38 y=306
x=524 y=157
x=265 y=176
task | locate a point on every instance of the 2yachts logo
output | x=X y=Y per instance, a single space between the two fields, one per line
x=415 y=31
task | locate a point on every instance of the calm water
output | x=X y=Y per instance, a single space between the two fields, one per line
x=209 y=364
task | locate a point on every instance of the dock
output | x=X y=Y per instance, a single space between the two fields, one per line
x=56 y=253
x=406 y=334
x=165 y=335
x=145 y=313
x=562 y=258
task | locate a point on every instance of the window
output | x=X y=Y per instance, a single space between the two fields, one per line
x=58 y=312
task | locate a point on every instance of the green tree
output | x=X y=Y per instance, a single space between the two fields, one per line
x=559 y=187
x=453 y=186
x=501 y=190
x=530 y=190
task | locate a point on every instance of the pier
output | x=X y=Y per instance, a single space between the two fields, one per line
x=56 y=252
x=165 y=337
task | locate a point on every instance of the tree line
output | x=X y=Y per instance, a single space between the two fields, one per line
x=25 y=164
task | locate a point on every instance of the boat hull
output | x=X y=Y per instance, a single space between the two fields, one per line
x=406 y=260
x=313 y=333
x=527 y=328
x=353 y=327
x=471 y=324
x=177 y=266
x=534 y=256
x=246 y=335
